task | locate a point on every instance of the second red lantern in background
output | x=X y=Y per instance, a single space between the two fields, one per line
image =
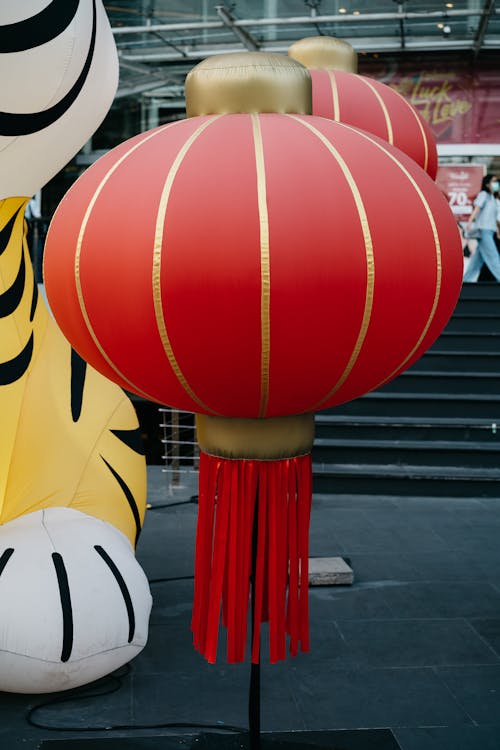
x=340 y=94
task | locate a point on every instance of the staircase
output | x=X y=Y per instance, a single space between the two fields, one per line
x=434 y=430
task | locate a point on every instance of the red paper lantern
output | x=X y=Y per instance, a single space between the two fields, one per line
x=246 y=267
x=340 y=94
x=157 y=251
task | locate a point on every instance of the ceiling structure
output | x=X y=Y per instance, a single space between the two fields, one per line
x=159 y=41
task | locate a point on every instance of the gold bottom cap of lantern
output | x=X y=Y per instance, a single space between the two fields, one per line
x=267 y=439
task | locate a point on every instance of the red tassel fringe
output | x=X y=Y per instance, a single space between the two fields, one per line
x=231 y=493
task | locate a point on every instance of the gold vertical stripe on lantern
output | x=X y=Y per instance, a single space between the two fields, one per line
x=335 y=95
x=437 y=245
x=157 y=259
x=390 y=136
x=265 y=278
x=422 y=132
x=370 y=263
x=81 y=233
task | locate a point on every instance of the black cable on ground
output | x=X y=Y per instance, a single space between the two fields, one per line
x=115 y=683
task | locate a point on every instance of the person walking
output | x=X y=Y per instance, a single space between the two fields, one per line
x=485 y=210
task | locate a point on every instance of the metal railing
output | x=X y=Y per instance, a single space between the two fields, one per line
x=180 y=449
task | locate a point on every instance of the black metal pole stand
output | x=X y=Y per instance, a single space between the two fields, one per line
x=254 y=707
x=254 y=692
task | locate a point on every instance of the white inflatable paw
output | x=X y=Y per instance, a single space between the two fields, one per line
x=74 y=602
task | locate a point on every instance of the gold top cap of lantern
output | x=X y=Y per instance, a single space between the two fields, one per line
x=250 y=82
x=325 y=53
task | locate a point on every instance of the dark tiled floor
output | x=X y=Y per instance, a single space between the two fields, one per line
x=413 y=646
x=376 y=739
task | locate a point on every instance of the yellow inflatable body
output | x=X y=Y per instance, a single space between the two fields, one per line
x=69 y=436
x=74 y=603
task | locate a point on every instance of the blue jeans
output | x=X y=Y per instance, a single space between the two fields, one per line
x=486 y=252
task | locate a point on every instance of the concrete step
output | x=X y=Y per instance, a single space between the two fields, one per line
x=443 y=453
x=484 y=290
x=474 y=322
x=483 y=406
x=458 y=361
x=439 y=382
x=467 y=341
x=479 y=305
x=405 y=428
x=417 y=481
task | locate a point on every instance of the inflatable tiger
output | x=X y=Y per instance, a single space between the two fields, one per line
x=74 y=603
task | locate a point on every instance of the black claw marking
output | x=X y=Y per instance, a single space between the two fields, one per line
x=123 y=588
x=67 y=610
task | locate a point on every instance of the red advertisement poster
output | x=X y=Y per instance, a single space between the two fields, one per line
x=460 y=183
x=460 y=101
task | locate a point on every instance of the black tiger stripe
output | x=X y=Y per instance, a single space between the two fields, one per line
x=132 y=439
x=14 y=369
x=123 y=588
x=11 y=298
x=14 y=124
x=38 y=29
x=34 y=300
x=4 y=559
x=6 y=232
x=78 y=372
x=130 y=499
x=67 y=609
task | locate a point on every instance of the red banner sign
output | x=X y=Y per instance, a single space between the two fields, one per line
x=460 y=183
x=460 y=102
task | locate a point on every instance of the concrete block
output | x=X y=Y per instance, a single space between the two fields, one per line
x=329 y=571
